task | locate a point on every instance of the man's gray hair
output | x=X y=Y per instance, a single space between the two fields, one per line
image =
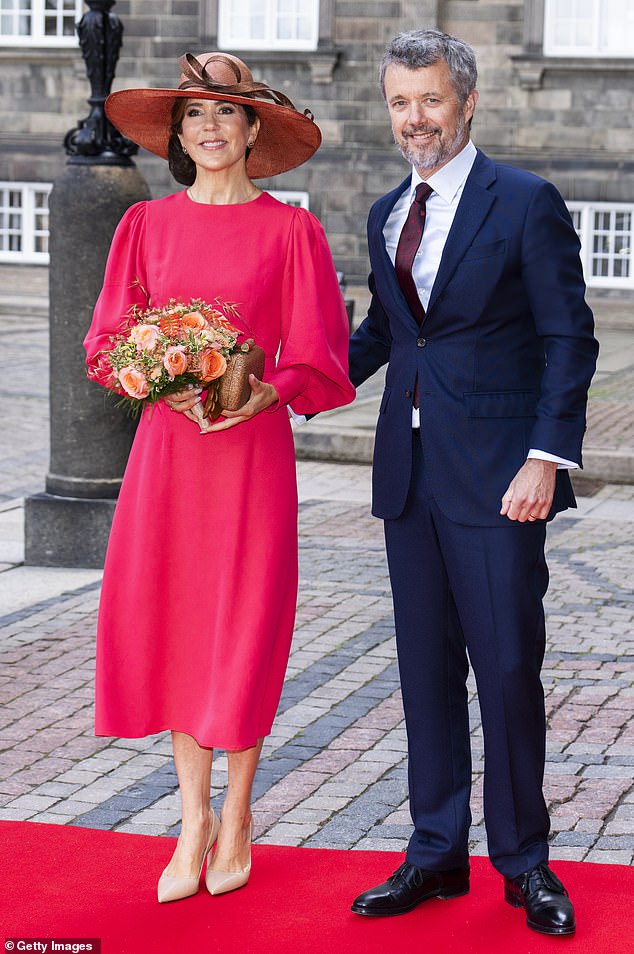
x=418 y=48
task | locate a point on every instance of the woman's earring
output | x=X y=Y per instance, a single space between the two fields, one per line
x=251 y=144
x=185 y=153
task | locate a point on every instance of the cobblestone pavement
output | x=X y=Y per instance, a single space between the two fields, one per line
x=333 y=772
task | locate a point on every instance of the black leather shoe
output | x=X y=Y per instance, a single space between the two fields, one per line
x=407 y=887
x=548 y=907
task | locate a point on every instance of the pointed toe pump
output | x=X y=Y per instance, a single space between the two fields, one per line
x=172 y=888
x=219 y=882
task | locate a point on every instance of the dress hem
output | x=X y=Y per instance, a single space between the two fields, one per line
x=204 y=745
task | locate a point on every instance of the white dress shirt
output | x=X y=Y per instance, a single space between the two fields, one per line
x=441 y=207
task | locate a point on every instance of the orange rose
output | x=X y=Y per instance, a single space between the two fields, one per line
x=213 y=364
x=133 y=382
x=194 y=321
x=175 y=360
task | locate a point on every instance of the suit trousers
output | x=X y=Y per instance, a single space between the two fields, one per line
x=470 y=594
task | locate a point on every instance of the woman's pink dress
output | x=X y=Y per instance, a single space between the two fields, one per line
x=200 y=581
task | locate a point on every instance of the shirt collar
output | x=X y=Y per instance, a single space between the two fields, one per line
x=451 y=178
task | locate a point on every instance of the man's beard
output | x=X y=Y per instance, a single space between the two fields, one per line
x=436 y=152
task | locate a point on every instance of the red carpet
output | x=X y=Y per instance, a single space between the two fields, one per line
x=66 y=882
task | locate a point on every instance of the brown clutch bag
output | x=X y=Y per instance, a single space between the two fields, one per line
x=232 y=390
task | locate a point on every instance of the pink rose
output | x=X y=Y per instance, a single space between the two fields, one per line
x=175 y=360
x=145 y=337
x=133 y=382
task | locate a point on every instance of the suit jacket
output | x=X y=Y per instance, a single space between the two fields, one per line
x=504 y=357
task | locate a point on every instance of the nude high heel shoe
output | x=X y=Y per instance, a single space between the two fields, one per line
x=174 y=889
x=219 y=882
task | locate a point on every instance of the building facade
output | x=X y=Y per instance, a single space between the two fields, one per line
x=556 y=97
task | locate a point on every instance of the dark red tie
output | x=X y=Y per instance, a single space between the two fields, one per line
x=408 y=246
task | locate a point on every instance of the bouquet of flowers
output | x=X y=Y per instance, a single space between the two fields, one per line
x=164 y=349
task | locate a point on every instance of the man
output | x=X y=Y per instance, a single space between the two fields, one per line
x=490 y=353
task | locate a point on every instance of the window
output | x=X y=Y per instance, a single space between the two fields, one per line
x=24 y=222
x=589 y=28
x=606 y=232
x=39 y=22
x=298 y=199
x=268 y=24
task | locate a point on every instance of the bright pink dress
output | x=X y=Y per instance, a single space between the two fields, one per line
x=200 y=581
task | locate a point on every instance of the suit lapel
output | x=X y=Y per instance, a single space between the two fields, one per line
x=473 y=208
x=381 y=262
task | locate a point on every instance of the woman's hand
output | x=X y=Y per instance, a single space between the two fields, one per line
x=262 y=396
x=186 y=402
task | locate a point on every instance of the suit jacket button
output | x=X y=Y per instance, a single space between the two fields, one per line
x=421 y=342
x=408 y=393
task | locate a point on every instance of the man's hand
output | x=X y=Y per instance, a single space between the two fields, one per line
x=530 y=493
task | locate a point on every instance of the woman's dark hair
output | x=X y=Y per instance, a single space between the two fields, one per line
x=180 y=164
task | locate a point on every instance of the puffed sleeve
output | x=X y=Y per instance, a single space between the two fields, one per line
x=312 y=367
x=124 y=285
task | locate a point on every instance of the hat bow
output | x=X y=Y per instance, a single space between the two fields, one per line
x=197 y=77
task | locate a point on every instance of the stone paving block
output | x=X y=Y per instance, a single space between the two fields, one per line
x=105 y=819
x=379 y=844
x=616 y=842
x=573 y=839
x=51 y=818
x=277 y=838
x=159 y=818
x=285 y=830
x=78 y=776
x=32 y=803
x=593 y=825
x=608 y=771
x=562 y=822
x=138 y=828
x=60 y=790
x=610 y=857
x=12 y=787
x=17 y=814
x=101 y=790
x=324 y=803
x=71 y=806
x=560 y=853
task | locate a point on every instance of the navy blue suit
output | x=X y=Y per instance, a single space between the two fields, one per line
x=503 y=360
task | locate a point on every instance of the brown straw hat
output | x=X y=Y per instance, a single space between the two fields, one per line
x=286 y=137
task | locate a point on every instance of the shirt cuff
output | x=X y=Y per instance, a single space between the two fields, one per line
x=296 y=418
x=562 y=463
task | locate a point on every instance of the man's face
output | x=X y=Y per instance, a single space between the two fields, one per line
x=428 y=122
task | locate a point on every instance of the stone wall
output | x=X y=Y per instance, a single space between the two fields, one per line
x=571 y=122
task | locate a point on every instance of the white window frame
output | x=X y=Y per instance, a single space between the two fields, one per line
x=583 y=216
x=229 y=40
x=28 y=210
x=601 y=12
x=298 y=199
x=37 y=37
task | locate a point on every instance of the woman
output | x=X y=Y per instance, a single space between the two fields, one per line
x=199 y=589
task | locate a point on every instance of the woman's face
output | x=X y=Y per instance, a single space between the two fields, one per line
x=215 y=134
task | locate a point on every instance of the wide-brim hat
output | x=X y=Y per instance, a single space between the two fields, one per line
x=286 y=137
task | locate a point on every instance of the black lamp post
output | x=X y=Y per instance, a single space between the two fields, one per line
x=68 y=525
x=95 y=139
